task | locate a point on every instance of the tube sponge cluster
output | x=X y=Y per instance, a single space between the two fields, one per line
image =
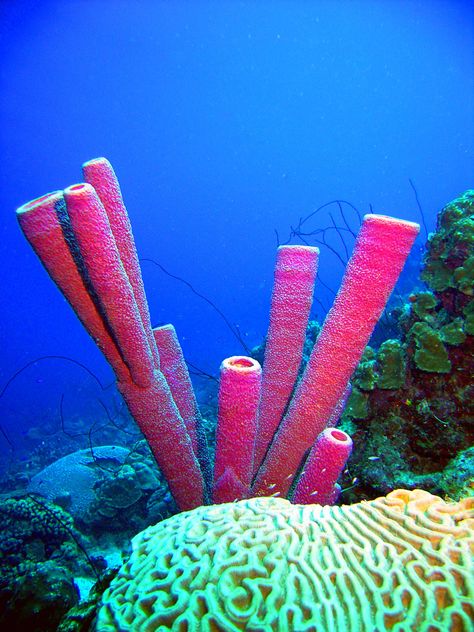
x=86 y=244
x=267 y=426
x=380 y=251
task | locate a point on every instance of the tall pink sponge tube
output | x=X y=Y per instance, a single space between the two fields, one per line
x=239 y=394
x=109 y=282
x=147 y=395
x=157 y=415
x=380 y=251
x=101 y=175
x=295 y=274
x=40 y=223
x=323 y=467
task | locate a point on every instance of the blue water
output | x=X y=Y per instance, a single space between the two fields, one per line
x=225 y=122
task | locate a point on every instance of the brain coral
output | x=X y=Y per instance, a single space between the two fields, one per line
x=402 y=562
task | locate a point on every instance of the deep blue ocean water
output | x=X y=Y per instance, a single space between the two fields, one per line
x=225 y=122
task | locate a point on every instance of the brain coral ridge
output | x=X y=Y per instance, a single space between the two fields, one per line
x=401 y=562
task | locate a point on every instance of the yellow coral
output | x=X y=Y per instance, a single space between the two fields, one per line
x=402 y=562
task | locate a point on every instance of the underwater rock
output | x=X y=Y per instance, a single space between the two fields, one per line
x=70 y=480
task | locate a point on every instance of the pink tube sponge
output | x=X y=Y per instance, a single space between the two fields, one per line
x=40 y=223
x=109 y=282
x=71 y=233
x=380 y=251
x=239 y=394
x=158 y=417
x=100 y=174
x=323 y=467
x=295 y=273
x=176 y=373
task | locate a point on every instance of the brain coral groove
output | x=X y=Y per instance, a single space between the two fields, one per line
x=402 y=562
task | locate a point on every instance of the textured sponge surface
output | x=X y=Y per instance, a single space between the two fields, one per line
x=402 y=562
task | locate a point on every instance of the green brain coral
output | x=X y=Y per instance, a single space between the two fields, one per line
x=401 y=562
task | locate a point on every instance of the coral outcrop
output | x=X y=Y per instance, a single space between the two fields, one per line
x=83 y=237
x=107 y=487
x=37 y=564
x=411 y=412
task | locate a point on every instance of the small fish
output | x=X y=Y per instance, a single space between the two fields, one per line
x=373 y=458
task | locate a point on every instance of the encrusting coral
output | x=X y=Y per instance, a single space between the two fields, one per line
x=413 y=397
x=100 y=486
x=37 y=564
x=401 y=562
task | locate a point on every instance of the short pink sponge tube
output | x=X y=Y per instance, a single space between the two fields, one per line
x=295 y=274
x=239 y=394
x=380 y=251
x=323 y=467
x=176 y=373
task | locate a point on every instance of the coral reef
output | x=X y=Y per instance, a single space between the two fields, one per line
x=107 y=488
x=399 y=562
x=38 y=560
x=411 y=411
x=70 y=481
